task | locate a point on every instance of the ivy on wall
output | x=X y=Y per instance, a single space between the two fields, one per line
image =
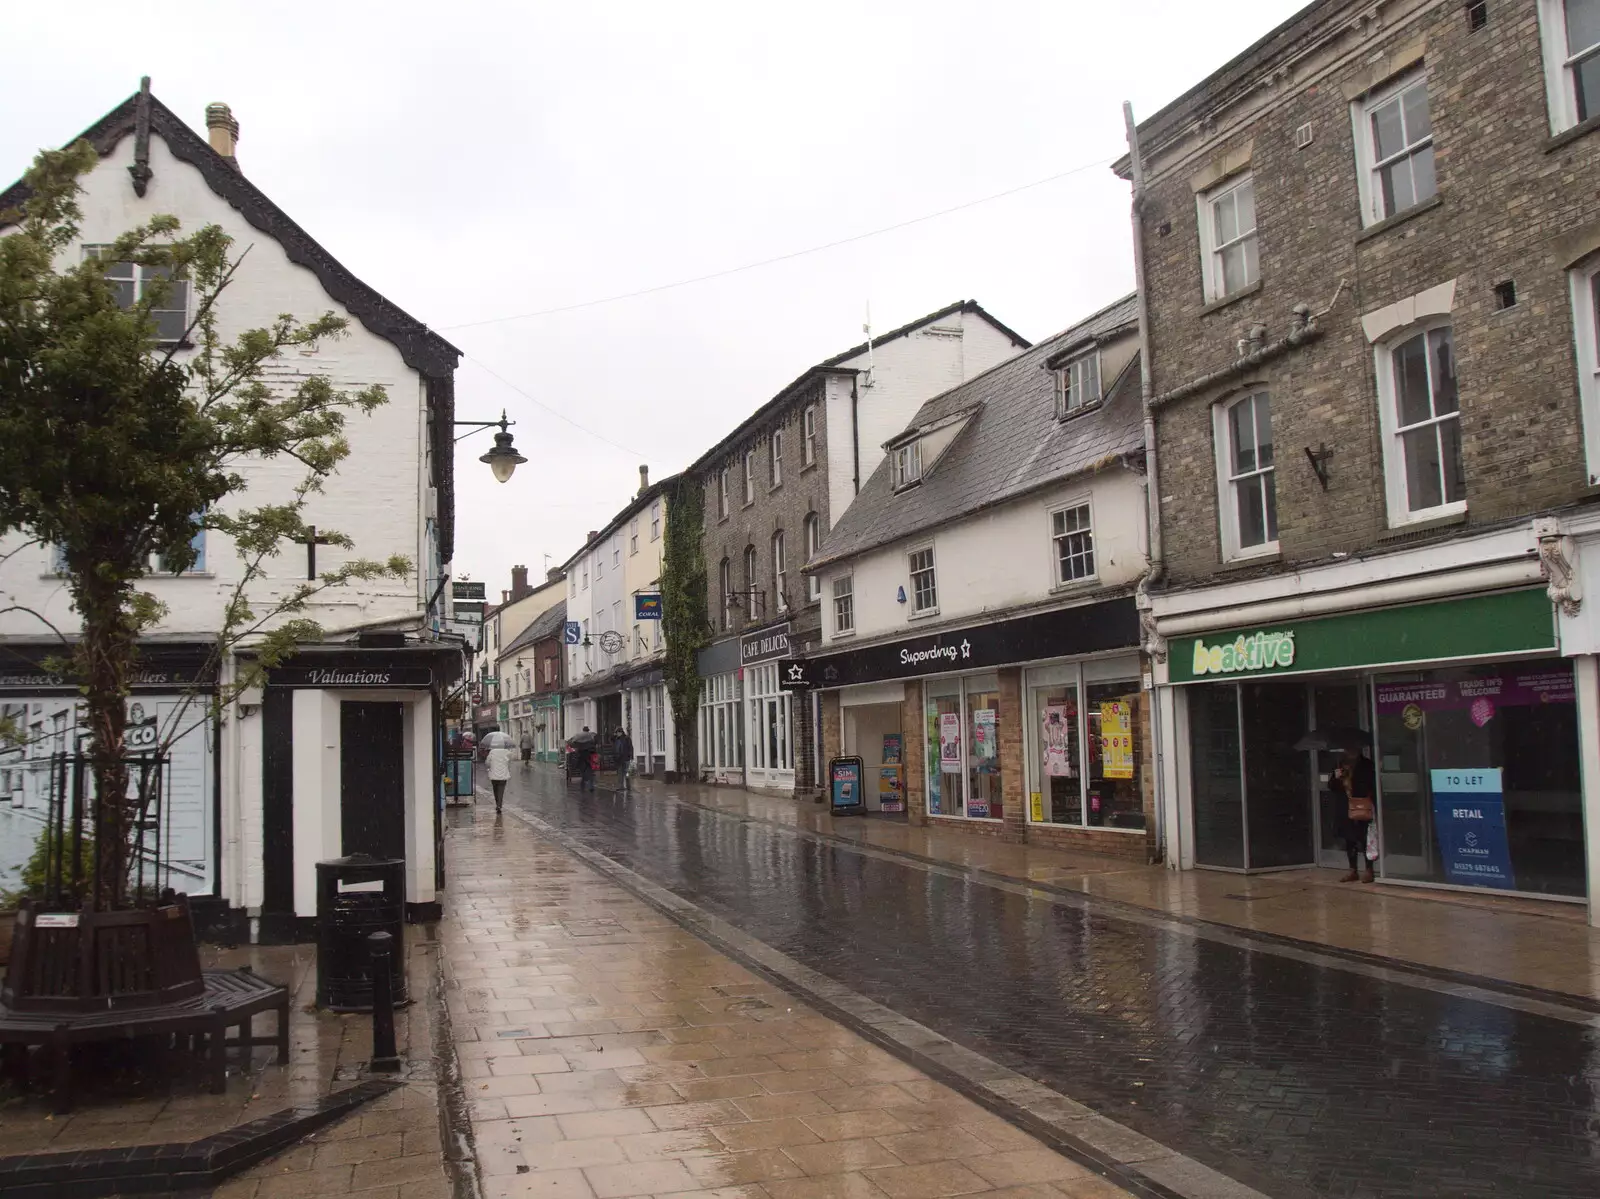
x=683 y=613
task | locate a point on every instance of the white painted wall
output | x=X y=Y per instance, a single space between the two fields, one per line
x=997 y=560
x=379 y=495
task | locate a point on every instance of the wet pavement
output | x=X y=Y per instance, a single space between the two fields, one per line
x=607 y=1053
x=1297 y=1075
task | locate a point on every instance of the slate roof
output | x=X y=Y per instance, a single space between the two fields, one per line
x=1012 y=444
x=547 y=624
x=422 y=349
x=757 y=419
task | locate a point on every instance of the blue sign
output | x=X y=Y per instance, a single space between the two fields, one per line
x=1469 y=824
x=647 y=607
x=572 y=633
x=844 y=784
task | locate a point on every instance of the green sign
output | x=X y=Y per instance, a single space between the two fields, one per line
x=1479 y=626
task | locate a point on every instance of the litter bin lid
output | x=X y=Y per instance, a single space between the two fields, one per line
x=359 y=861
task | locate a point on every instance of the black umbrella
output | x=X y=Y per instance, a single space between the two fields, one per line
x=1335 y=736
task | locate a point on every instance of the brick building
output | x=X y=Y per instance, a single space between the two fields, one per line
x=1369 y=255
x=773 y=489
x=981 y=637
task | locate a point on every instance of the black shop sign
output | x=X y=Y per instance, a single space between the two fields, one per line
x=764 y=645
x=1091 y=628
x=23 y=671
x=350 y=676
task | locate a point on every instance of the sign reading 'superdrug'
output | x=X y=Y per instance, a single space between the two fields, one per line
x=1089 y=628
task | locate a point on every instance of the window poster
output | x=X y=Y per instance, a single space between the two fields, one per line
x=1056 y=737
x=932 y=750
x=891 y=749
x=890 y=797
x=1116 y=740
x=950 y=743
x=985 y=746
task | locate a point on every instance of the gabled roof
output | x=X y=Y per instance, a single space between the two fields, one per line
x=422 y=349
x=828 y=365
x=1012 y=443
x=547 y=624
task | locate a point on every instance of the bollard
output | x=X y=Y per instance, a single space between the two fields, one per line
x=379 y=957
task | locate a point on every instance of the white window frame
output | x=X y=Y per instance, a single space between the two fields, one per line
x=1072 y=381
x=633 y=537
x=616 y=550
x=1394 y=462
x=1583 y=280
x=780 y=569
x=655 y=521
x=599 y=566
x=722 y=493
x=1227 y=505
x=917 y=610
x=775 y=459
x=138 y=279
x=749 y=477
x=907 y=460
x=844 y=605
x=808 y=435
x=752 y=564
x=813 y=530
x=1367 y=165
x=725 y=579
x=1561 y=94
x=1057 y=580
x=1211 y=250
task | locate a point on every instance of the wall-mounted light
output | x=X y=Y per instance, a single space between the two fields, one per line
x=1319 y=459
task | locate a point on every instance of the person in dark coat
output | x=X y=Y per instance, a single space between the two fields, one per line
x=623 y=748
x=583 y=743
x=1357 y=781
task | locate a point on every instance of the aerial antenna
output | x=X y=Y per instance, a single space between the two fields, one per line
x=547 y=566
x=871 y=364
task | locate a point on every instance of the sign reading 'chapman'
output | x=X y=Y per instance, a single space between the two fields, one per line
x=1252 y=651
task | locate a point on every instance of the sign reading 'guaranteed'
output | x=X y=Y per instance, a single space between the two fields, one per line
x=1247 y=652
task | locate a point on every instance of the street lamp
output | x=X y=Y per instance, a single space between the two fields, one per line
x=503 y=459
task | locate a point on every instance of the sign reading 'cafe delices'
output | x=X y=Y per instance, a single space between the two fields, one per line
x=764 y=645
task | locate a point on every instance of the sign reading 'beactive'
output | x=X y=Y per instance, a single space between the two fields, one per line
x=1246 y=652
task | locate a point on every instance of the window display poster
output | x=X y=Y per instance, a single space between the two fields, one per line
x=1036 y=807
x=1469 y=822
x=1056 y=738
x=1116 y=740
x=932 y=751
x=844 y=783
x=891 y=749
x=950 y=743
x=985 y=747
x=889 y=793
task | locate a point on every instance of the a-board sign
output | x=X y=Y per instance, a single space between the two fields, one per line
x=844 y=784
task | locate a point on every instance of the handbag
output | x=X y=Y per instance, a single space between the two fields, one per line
x=1360 y=809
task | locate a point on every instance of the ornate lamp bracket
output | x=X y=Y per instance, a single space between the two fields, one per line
x=1558 y=562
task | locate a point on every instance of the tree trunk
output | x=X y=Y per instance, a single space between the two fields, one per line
x=106 y=656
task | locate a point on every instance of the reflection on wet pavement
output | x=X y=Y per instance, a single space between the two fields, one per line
x=607 y=1053
x=1325 y=1079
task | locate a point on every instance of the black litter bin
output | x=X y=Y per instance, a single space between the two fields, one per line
x=345 y=918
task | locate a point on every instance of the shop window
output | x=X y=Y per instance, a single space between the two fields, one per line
x=963 y=748
x=1421 y=414
x=1394 y=144
x=1478 y=777
x=1570 y=34
x=1585 y=282
x=1058 y=754
x=1246 y=466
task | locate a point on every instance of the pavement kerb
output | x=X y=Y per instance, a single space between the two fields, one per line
x=1130 y=1159
x=455 y=1119
x=1585 y=1004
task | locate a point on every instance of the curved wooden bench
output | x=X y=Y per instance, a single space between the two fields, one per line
x=232 y=999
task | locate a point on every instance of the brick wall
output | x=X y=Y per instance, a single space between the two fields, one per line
x=914 y=751
x=1509 y=200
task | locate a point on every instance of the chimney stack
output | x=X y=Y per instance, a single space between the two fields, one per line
x=644 y=479
x=519 y=582
x=593 y=533
x=224 y=132
x=505 y=597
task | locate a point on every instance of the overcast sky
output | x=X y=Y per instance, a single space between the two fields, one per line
x=478 y=161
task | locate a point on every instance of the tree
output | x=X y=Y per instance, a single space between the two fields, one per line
x=117 y=450
x=683 y=612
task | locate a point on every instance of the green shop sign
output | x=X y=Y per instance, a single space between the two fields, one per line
x=1480 y=626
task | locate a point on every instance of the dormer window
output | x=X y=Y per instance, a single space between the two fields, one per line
x=1078 y=384
x=907 y=465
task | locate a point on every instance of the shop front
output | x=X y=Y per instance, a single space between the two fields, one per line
x=1033 y=728
x=770 y=744
x=1466 y=708
x=721 y=714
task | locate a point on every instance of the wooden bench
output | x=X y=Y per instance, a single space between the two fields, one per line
x=232 y=999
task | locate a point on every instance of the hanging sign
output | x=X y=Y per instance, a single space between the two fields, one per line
x=950 y=743
x=1116 y=740
x=844 y=784
x=1469 y=822
x=647 y=606
x=572 y=633
x=793 y=675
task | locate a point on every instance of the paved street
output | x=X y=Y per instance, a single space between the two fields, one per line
x=1297 y=1075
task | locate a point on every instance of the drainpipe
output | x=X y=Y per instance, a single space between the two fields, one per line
x=855 y=432
x=1152 y=479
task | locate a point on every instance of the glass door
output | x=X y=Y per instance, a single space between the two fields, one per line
x=1333 y=706
x=1216 y=775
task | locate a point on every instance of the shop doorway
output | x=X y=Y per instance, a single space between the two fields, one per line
x=872 y=732
x=372 y=785
x=1334 y=705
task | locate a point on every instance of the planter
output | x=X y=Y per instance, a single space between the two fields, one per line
x=94 y=961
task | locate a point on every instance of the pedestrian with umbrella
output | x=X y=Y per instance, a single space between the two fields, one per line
x=496 y=749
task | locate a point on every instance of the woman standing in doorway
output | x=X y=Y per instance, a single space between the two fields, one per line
x=1358 y=782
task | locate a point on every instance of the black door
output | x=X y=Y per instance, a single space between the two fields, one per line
x=372 y=780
